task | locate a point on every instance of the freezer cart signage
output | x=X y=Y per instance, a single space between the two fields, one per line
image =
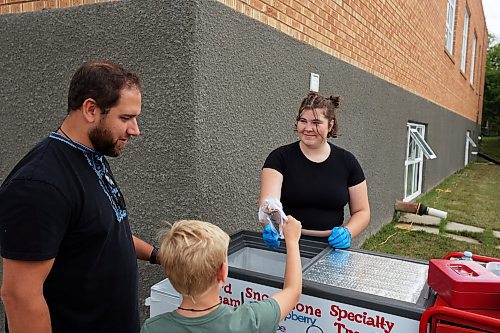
x=316 y=315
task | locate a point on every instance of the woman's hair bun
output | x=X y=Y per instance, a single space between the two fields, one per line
x=335 y=100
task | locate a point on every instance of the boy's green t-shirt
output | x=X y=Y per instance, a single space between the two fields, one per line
x=261 y=317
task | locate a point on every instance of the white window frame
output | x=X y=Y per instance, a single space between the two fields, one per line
x=416 y=149
x=469 y=141
x=450 y=25
x=419 y=139
x=465 y=36
x=473 y=59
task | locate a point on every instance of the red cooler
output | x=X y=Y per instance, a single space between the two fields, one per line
x=465 y=284
x=468 y=298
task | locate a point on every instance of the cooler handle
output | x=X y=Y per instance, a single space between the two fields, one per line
x=475 y=257
x=472 y=318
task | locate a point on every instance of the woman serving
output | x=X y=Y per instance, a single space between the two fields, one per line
x=315 y=179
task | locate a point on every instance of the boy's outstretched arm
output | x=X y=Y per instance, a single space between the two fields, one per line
x=292 y=286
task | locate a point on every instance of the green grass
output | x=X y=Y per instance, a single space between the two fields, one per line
x=422 y=245
x=470 y=196
x=490 y=138
x=490 y=145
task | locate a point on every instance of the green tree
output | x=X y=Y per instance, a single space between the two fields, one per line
x=491 y=100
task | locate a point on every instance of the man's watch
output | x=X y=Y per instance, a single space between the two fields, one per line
x=153 y=255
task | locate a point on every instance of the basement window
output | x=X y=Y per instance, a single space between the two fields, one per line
x=428 y=152
x=469 y=142
x=417 y=149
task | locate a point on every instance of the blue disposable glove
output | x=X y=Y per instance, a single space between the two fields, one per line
x=340 y=238
x=270 y=236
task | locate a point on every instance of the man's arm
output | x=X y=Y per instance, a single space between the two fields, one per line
x=292 y=286
x=22 y=295
x=143 y=249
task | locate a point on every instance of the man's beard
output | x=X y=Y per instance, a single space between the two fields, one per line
x=102 y=141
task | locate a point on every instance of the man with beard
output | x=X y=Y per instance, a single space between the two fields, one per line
x=69 y=257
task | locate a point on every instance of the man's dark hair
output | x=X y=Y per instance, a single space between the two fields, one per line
x=101 y=81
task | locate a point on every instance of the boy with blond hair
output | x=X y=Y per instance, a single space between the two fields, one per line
x=194 y=257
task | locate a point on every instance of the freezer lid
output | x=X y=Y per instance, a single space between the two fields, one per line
x=383 y=276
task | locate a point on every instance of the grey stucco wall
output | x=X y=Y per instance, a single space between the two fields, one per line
x=220 y=91
x=40 y=52
x=250 y=80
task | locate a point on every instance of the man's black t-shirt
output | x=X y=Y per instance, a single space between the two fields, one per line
x=315 y=193
x=53 y=206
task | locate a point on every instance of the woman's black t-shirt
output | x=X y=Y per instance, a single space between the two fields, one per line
x=315 y=193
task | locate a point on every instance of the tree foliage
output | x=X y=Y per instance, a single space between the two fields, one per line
x=491 y=101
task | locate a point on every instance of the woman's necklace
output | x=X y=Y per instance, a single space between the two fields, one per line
x=200 y=310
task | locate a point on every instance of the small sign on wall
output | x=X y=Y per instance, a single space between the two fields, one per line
x=314 y=82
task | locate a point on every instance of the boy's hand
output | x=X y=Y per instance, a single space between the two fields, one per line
x=292 y=284
x=292 y=228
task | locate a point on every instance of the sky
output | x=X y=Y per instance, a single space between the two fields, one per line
x=491 y=10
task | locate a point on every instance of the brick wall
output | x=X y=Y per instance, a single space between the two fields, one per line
x=401 y=41
x=22 y=6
